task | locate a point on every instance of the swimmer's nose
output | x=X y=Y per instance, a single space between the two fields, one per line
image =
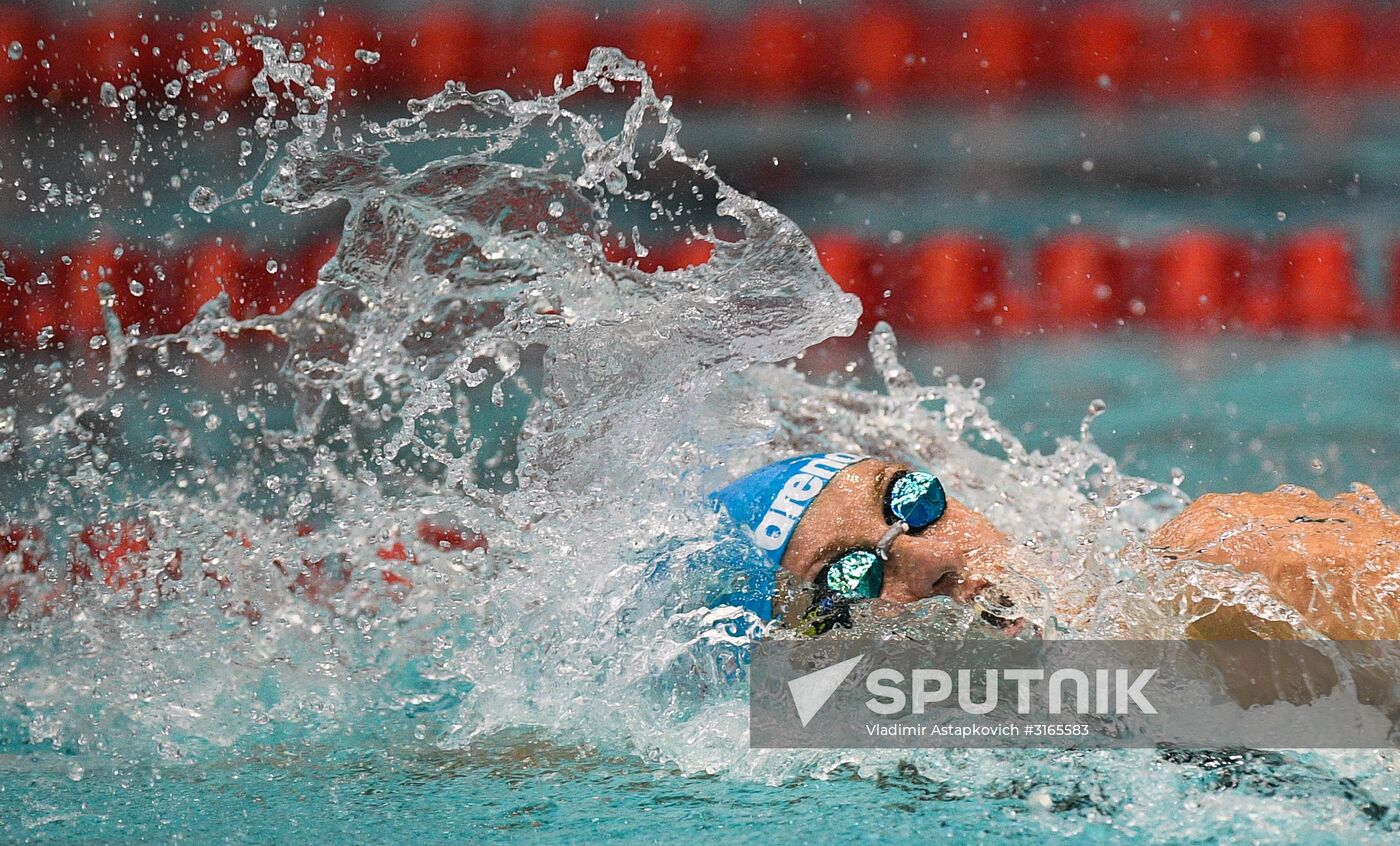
x=949 y=581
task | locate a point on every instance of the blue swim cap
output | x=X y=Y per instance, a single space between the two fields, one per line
x=767 y=504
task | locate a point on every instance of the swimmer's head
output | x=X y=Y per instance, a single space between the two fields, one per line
x=849 y=528
x=769 y=502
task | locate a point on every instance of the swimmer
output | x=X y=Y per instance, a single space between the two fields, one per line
x=838 y=529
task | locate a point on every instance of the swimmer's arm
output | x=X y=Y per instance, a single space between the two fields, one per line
x=1336 y=562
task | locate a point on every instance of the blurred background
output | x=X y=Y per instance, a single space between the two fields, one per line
x=1187 y=209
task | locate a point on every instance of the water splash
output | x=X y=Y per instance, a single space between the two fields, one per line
x=343 y=537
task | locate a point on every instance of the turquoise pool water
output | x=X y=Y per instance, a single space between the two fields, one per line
x=523 y=791
x=1233 y=414
x=239 y=632
x=1228 y=414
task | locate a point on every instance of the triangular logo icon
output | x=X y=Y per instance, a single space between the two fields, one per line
x=810 y=692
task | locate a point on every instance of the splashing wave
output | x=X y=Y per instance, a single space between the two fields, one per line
x=433 y=497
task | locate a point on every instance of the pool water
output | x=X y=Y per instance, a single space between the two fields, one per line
x=305 y=677
x=521 y=789
x=1230 y=414
x=1227 y=414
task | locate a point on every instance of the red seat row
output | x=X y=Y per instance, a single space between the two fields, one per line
x=961 y=284
x=57 y=298
x=120 y=556
x=863 y=53
x=946 y=284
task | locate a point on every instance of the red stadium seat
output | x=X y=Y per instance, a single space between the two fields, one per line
x=91 y=265
x=1319 y=282
x=439 y=44
x=1380 y=59
x=195 y=42
x=1014 y=312
x=1079 y=282
x=779 y=53
x=20 y=25
x=113 y=46
x=880 y=55
x=1395 y=290
x=269 y=291
x=294 y=278
x=1325 y=49
x=335 y=39
x=1198 y=275
x=846 y=259
x=16 y=296
x=688 y=252
x=211 y=268
x=38 y=308
x=952 y=286
x=1100 y=50
x=1220 y=55
x=557 y=41
x=669 y=40
x=998 y=55
x=26 y=543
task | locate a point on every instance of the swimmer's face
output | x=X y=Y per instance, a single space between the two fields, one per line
x=953 y=557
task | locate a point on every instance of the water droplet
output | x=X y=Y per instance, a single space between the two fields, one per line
x=1039 y=800
x=204 y=200
x=172 y=88
x=16 y=51
x=136 y=288
x=556 y=209
x=369 y=57
x=108 y=95
x=271 y=265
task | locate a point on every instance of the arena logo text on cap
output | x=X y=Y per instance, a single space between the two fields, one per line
x=797 y=493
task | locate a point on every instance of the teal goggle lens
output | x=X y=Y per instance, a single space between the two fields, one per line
x=857 y=575
x=917 y=498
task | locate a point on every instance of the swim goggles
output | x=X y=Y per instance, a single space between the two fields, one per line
x=915 y=501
